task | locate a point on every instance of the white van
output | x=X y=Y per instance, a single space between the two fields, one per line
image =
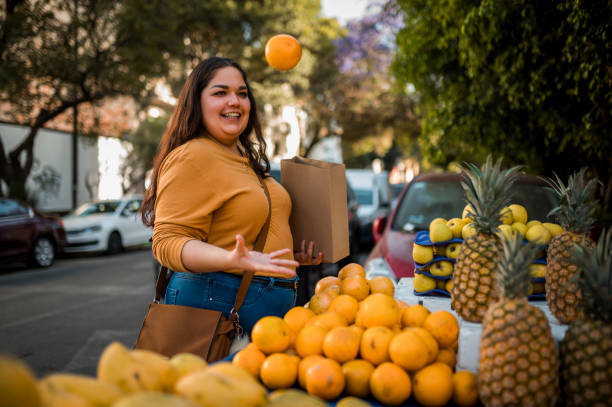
x=374 y=196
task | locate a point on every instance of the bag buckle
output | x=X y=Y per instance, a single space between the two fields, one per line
x=236 y=321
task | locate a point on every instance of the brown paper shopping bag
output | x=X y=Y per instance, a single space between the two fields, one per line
x=319 y=213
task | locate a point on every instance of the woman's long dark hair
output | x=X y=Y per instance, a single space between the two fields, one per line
x=186 y=124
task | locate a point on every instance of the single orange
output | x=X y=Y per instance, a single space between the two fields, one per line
x=390 y=384
x=357 y=374
x=325 y=282
x=271 y=334
x=303 y=367
x=279 y=371
x=414 y=315
x=443 y=326
x=430 y=342
x=433 y=385
x=250 y=359
x=309 y=340
x=320 y=302
x=283 y=52
x=345 y=305
x=296 y=317
x=355 y=286
x=374 y=345
x=447 y=356
x=350 y=270
x=465 y=388
x=382 y=284
x=341 y=344
x=324 y=378
x=409 y=350
x=378 y=310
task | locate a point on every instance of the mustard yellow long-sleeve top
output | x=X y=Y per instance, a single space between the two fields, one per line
x=205 y=192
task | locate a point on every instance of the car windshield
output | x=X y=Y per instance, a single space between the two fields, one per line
x=424 y=201
x=364 y=196
x=96 y=208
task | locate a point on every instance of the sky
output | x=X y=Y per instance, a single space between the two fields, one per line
x=344 y=10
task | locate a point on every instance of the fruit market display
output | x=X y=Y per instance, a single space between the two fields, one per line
x=576 y=214
x=435 y=258
x=354 y=340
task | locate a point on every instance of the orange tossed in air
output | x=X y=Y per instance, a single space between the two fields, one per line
x=283 y=52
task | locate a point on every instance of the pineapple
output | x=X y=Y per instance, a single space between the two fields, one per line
x=586 y=349
x=487 y=191
x=518 y=362
x=575 y=213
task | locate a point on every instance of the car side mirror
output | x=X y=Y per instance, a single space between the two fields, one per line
x=378 y=227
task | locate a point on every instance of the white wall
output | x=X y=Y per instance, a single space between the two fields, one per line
x=99 y=162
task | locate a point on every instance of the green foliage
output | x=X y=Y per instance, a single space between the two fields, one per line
x=529 y=80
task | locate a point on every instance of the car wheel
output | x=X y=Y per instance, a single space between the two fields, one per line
x=115 y=245
x=43 y=253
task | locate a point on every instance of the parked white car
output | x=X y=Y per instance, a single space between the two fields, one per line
x=374 y=196
x=106 y=226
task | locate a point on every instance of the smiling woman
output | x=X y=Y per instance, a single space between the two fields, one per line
x=211 y=200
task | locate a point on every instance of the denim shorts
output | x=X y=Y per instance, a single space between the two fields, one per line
x=217 y=291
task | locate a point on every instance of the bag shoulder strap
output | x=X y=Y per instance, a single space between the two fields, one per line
x=247 y=275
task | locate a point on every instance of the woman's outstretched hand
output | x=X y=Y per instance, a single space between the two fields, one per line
x=262 y=262
x=305 y=257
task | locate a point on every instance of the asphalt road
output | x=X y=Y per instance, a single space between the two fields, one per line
x=61 y=318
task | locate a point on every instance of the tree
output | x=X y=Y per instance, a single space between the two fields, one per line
x=56 y=55
x=369 y=106
x=529 y=80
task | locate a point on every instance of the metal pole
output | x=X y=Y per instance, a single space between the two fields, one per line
x=75 y=118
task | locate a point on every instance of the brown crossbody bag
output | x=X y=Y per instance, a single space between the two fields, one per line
x=170 y=329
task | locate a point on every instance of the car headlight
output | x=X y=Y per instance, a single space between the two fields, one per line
x=94 y=228
x=379 y=267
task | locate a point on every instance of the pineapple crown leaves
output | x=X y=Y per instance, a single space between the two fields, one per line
x=577 y=204
x=594 y=276
x=487 y=190
x=512 y=275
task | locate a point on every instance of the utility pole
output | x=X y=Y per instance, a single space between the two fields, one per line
x=75 y=114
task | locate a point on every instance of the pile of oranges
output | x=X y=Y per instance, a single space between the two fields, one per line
x=354 y=339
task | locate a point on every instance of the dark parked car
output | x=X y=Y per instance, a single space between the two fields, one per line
x=26 y=234
x=431 y=196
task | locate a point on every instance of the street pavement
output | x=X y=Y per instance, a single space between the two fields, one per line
x=61 y=318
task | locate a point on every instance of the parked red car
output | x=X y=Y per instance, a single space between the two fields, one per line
x=430 y=196
x=26 y=234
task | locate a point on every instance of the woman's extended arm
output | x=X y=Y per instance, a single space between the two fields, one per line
x=201 y=257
